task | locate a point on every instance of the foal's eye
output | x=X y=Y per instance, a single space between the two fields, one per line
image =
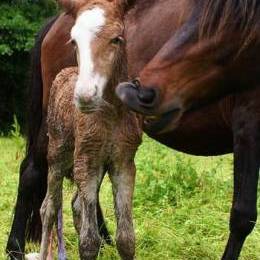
x=118 y=40
x=73 y=42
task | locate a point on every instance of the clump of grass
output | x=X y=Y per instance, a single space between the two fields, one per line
x=179 y=182
x=181 y=204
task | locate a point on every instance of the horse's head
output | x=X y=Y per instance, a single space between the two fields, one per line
x=207 y=58
x=98 y=37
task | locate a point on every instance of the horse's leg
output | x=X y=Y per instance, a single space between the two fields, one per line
x=31 y=191
x=246 y=128
x=123 y=180
x=88 y=179
x=23 y=209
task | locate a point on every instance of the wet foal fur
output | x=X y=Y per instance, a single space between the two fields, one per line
x=228 y=125
x=92 y=143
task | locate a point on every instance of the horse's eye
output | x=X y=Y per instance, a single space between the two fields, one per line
x=118 y=40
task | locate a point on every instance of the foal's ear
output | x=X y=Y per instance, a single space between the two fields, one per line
x=125 y=4
x=128 y=4
x=70 y=6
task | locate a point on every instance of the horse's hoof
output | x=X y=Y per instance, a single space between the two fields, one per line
x=32 y=256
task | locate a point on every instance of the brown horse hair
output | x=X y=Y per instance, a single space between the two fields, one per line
x=220 y=17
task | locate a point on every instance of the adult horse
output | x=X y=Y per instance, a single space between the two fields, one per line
x=53 y=52
x=206 y=131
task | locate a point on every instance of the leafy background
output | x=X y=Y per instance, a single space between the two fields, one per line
x=19 y=22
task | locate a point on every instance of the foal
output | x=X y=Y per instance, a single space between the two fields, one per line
x=104 y=140
x=91 y=131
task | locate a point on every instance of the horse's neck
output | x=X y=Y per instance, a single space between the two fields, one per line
x=148 y=26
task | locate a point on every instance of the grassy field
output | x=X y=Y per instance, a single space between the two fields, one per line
x=181 y=205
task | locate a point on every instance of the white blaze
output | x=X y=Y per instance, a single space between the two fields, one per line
x=88 y=24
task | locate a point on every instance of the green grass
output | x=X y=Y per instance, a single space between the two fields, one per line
x=181 y=204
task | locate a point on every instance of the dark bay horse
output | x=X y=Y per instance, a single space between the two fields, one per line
x=53 y=51
x=230 y=124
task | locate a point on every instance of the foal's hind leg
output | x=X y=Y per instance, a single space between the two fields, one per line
x=246 y=172
x=59 y=163
x=123 y=180
x=60 y=237
x=51 y=204
x=76 y=210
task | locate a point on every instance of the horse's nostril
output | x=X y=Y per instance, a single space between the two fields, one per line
x=136 y=83
x=147 y=96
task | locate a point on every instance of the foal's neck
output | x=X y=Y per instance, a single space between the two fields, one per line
x=119 y=75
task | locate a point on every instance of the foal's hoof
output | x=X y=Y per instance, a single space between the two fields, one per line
x=32 y=256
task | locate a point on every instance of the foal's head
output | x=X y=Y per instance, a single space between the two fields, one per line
x=99 y=43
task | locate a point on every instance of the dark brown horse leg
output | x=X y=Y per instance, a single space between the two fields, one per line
x=31 y=191
x=246 y=173
x=23 y=209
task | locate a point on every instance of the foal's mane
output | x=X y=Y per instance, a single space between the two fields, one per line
x=220 y=17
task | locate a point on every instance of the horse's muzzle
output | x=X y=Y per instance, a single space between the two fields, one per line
x=147 y=102
x=141 y=100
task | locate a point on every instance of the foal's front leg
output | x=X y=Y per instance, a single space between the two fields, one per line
x=123 y=181
x=88 y=180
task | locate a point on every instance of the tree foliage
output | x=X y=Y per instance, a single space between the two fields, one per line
x=20 y=20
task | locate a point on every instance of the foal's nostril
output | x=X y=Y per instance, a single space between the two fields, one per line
x=147 y=96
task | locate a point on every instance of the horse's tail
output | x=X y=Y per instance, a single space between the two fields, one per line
x=36 y=86
x=35 y=112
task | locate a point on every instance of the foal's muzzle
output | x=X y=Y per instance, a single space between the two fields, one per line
x=87 y=104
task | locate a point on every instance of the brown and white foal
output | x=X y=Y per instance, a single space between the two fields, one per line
x=91 y=131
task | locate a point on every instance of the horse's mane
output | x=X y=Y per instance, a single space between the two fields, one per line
x=220 y=17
